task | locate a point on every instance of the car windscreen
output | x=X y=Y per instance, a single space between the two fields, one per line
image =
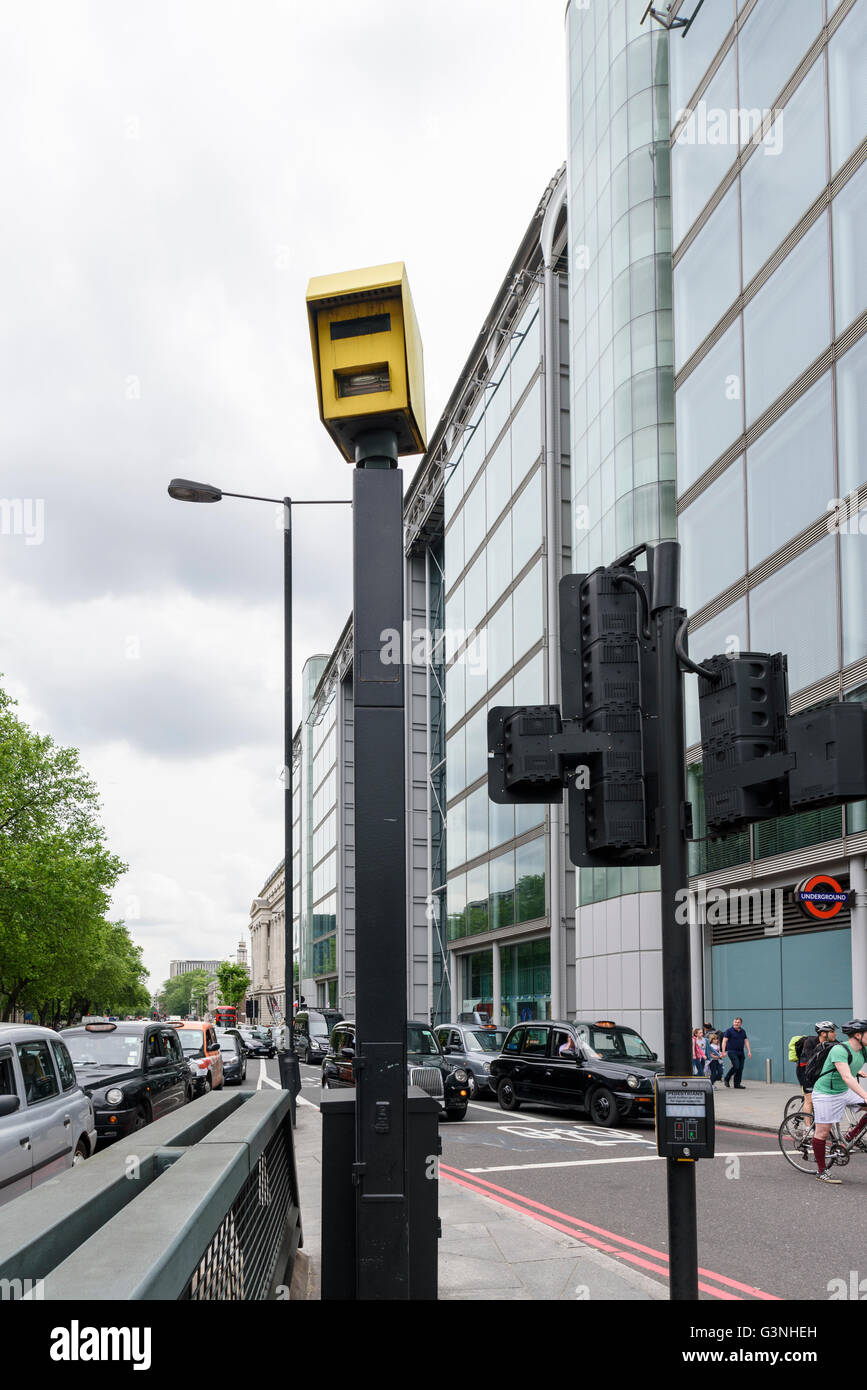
x=104 y=1049
x=618 y=1045
x=192 y=1040
x=421 y=1040
x=486 y=1040
x=228 y=1044
x=318 y=1027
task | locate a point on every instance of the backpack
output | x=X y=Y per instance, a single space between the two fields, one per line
x=816 y=1066
x=796 y=1043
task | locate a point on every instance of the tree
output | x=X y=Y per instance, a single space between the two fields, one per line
x=178 y=992
x=56 y=877
x=233 y=981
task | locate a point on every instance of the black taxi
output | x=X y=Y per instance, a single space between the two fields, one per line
x=133 y=1072
x=603 y=1069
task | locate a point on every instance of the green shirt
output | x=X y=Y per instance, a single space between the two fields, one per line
x=831 y=1083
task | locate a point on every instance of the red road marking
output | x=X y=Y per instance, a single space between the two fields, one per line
x=489 y=1189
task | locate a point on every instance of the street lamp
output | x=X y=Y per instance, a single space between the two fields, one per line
x=183 y=490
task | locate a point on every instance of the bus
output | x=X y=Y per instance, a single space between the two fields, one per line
x=226 y=1016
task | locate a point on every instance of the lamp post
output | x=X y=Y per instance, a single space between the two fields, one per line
x=183 y=490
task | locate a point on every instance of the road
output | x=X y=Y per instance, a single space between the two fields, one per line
x=766 y=1232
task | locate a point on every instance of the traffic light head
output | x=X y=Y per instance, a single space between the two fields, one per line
x=743 y=706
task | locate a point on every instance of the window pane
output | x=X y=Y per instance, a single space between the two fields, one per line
x=527 y=817
x=527 y=523
x=455 y=693
x=725 y=633
x=477 y=823
x=847 y=86
x=708 y=565
x=526 y=353
x=454 y=551
x=530 y=872
x=852 y=417
x=502 y=823
x=477 y=746
x=474 y=519
x=709 y=408
x=456 y=835
x=475 y=593
x=704 y=149
x=798 y=831
x=456 y=906
x=527 y=602
x=849 y=215
x=690 y=60
x=477 y=899
x=498 y=480
x=530 y=683
x=771 y=44
x=474 y=445
x=526 y=435
x=788 y=323
x=790 y=472
x=780 y=181
x=853 y=564
x=795 y=611
x=499 y=644
x=499 y=559
x=502 y=891
x=707 y=279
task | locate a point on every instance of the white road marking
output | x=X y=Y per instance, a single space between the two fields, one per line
x=580 y=1134
x=623 y=1158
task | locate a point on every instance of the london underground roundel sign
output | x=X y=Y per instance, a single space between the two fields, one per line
x=821 y=897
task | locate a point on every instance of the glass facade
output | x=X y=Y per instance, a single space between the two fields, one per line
x=771 y=386
x=622 y=389
x=495 y=625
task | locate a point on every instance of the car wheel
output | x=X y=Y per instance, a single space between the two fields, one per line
x=141 y=1118
x=603 y=1108
x=81 y=1153
x=191 y=1095
x=309 y=1059
x=506 y=1095
x=207 y=1086
x=472 y=1088
x=221 y=1085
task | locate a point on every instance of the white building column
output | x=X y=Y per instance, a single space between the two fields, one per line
x=497 y=985
x=858 y=882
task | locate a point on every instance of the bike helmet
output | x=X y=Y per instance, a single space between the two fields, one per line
x=826 y=1026
x=855 y=1025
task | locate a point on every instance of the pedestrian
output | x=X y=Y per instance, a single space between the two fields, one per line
x=831 y=1090
x=714 y=1058
x=699 y=1055
x=735 y=1044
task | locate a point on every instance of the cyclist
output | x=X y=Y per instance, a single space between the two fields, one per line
x=831 y=1091
x=826 y=1031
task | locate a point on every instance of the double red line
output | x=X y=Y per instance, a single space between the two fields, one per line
x=597 y=1236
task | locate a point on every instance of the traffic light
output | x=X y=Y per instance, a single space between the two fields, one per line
x=829 y=748
x=743 y=706
x=609 y=687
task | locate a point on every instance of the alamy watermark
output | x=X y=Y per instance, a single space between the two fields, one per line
x=23 y=516
x=736 y=125
x=845 y=517
x=420 y=646
x=721 y=907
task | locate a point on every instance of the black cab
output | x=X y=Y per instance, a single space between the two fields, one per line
x=133 y=1072
x=602 y=1068
x=426 y=1066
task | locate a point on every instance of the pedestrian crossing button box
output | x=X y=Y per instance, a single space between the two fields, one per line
x=684 y=1117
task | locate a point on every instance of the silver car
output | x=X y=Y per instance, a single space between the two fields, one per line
x=46 y=1120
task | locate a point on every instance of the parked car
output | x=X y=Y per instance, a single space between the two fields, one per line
x=46 y=1119
x=199 y=1043
x=603 y=1069
x=426 y=1065
x=473 y=1047
x=234 y=1056
x=133 y=1072
x=312 y=1031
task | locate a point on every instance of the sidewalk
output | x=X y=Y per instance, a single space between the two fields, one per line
x=489 y=1251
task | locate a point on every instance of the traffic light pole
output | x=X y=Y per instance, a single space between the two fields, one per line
x=380 y=1171
x=290 y=1071
x=667 y=618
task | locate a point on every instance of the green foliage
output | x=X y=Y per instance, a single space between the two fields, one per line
x=233 y=981
x=177 y=994
x=58 y=955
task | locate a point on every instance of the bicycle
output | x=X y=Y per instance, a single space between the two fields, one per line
x=795 y=1137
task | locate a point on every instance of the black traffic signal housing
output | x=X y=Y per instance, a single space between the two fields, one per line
x=829 y=748
x=608 y=666
x=743 y=707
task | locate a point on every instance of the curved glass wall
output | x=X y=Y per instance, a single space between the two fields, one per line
x=622 y=382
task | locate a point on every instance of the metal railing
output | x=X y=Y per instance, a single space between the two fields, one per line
x=202 y=1204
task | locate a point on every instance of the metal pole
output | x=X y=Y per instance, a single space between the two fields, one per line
x=674 y=870
x=290 y=1072
x=380 y=1173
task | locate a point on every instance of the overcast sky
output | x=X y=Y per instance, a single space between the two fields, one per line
x=173 y=174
